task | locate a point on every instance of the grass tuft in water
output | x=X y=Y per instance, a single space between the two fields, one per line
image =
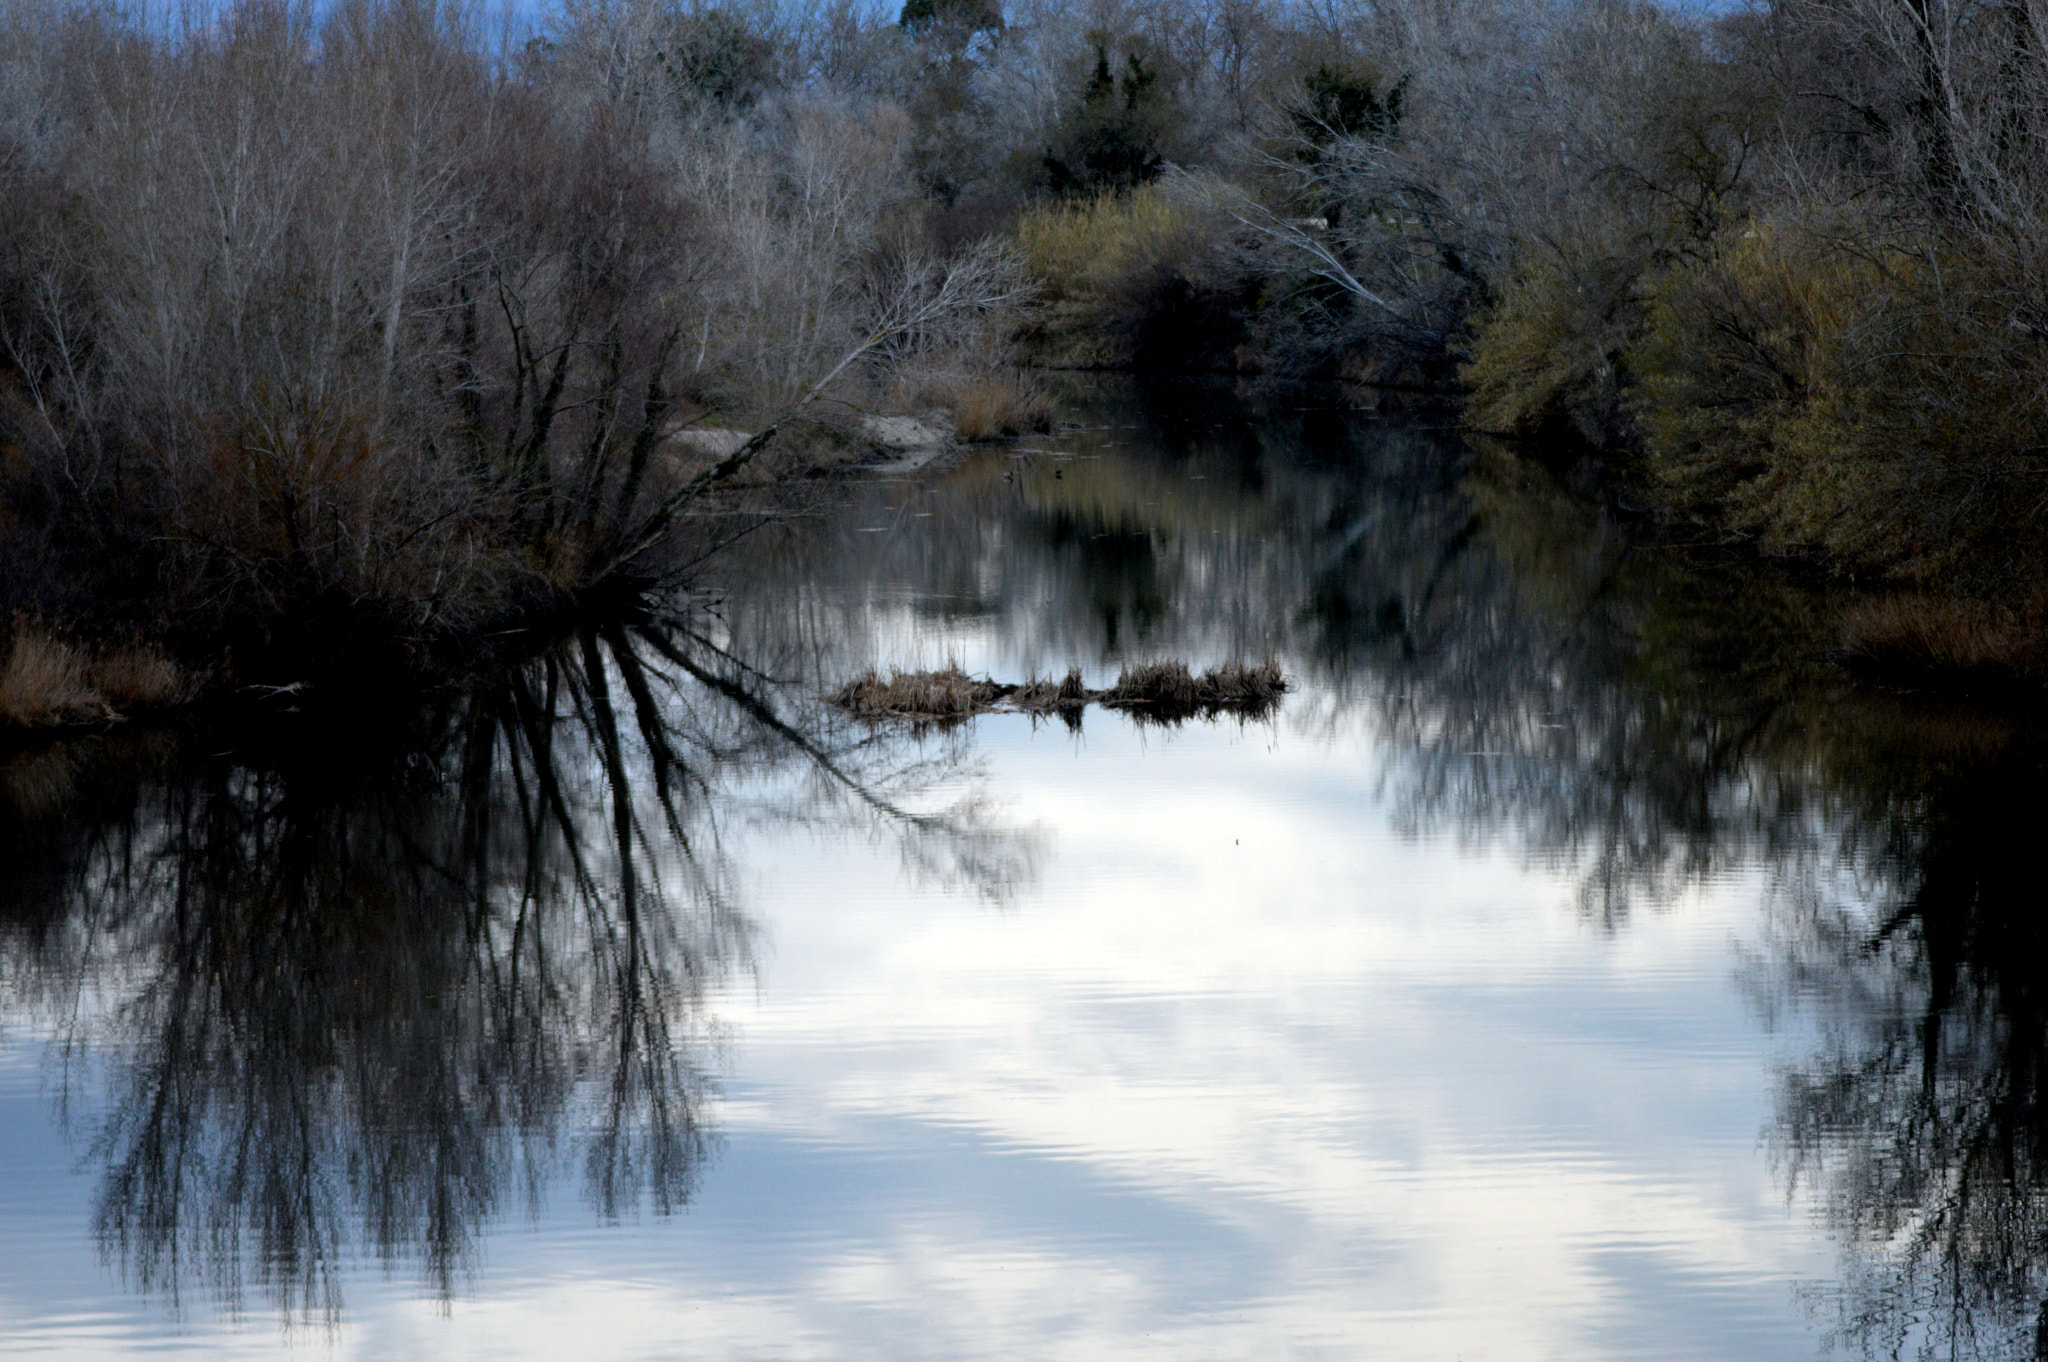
x=1171 y=686
x=48 y=683
x=1159 y=690
x=1070 y=692
x=949 y=693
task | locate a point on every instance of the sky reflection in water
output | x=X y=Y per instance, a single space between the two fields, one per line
x=1572 y=968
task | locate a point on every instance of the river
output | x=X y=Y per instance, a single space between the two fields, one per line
x=1575 y=965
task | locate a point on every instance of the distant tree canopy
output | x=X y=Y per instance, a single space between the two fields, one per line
x=1340 y=102
x=713 y=56
x=1111 y=139
x=922 y=18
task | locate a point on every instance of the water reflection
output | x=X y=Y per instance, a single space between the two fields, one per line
x=350 y=989
x=1920 y=1127
x=1543 y=669
x=1647 y=714
x=336 y=990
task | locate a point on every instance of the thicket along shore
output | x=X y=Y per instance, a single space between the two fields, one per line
x=367 y=342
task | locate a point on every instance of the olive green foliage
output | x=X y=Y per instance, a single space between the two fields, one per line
x=1544 y=359
x=1126 y=278
x=1819 y=320
x=1112 y=138
x=1654 y=168
x=1874 y=404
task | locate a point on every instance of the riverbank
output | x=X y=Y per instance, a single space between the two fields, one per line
x=501 y=334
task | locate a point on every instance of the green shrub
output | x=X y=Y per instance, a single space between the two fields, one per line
x=1121 y=273
x=1544 y=354
x=1342 y=102
x=1113 y=137
x=1873 y=403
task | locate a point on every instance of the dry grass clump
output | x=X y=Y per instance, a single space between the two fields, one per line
x=1234 y=683
x=1070 y=692
x=1923 y=638
x=45 y=684
x=1170 y=687
x=947 y=694
x=141 y=677
x=1168 y=684
x=48 y=683
x=1157 y=690
x=988 y=406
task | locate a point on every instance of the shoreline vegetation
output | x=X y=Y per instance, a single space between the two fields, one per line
x=369 y=345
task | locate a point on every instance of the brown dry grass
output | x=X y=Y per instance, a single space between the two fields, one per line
x=139 y=678
x=1926 y=638
x=49 y=683
x=45 y=684
x=946 y=694
x=1044 y=693
x=1171 y=686
x=1160 y=690
x=990 y=406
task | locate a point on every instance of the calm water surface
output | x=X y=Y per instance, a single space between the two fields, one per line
x=1574 y=966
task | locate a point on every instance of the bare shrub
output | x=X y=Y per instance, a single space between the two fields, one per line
x=338 y=338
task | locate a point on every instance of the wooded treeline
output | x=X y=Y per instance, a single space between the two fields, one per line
x=369 y=328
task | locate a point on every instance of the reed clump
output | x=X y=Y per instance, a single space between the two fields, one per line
x=1157 y=690
x=1934 y=640
x=993 y=405
x=47 y=682
x=949 y=693
x=141 y=678
x=1069 y=692
x=44 y=685
x=1170 y=687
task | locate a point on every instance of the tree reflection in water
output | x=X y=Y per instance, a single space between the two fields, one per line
x=1919 y=1126
x=1641 y=713
x=360 y=988
x=1644 y=714
x=354 y=988
x=1652 y=722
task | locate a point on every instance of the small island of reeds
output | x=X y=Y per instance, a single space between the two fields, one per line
x=1161 y=691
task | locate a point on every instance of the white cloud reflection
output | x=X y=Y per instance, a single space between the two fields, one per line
x=1249 y=1075
x=1243 y=1074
